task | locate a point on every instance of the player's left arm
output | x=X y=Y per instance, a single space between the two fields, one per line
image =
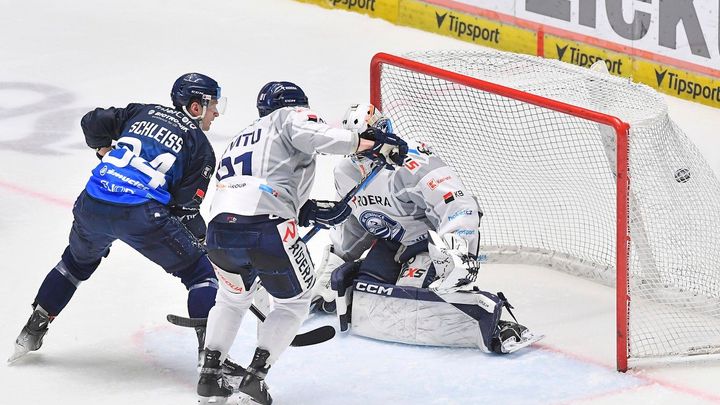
x=189 y=191
x=102 y=126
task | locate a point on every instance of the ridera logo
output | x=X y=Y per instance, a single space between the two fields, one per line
x=679 y=85
x=361 y=4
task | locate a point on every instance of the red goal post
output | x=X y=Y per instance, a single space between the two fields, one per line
x=382 y=61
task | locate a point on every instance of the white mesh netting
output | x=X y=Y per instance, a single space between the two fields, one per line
x=546 y=183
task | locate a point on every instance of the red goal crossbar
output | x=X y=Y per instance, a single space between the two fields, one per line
x=621 y=128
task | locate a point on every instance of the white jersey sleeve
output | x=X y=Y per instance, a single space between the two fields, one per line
x=269 y=168
x=403 y=204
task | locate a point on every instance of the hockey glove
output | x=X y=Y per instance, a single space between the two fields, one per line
x=393 y=148
x=323 y=213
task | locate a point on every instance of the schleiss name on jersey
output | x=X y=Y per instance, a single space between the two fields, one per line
x=158 y=133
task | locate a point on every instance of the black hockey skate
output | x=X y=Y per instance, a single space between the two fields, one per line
x=212 y=387
x=253 y=384
x=512 y=336
x=31 y=336
x=234 y=373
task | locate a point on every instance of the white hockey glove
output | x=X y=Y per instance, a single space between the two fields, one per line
x=321 y=290
x=455 y=268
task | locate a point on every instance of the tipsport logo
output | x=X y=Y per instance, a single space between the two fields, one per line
x=356 y=4
x=680 y=86
x=580 y=58
x=464 y=29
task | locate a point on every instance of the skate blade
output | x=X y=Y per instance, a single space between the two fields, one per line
x=212 y=400
x=245 y=399
x=511 y=347
x=20 y=351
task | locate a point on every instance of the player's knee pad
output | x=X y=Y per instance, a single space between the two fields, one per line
x=75 y=270
x=199 y=275
x=284 y=283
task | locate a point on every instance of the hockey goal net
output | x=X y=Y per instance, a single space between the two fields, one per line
x=578 y=170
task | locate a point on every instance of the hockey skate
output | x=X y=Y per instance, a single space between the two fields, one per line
x=512 y=337
x=212 y=387
x=31 y=336
x=253 y=384
x=234 y=373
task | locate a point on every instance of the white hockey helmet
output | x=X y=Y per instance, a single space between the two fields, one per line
x=359 y=116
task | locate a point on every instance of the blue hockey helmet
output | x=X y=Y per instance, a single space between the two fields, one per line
x=194 y=87
x=276 y=95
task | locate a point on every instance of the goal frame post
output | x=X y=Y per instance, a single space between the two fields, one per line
x=622 y=131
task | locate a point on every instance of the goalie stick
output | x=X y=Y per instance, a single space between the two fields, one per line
x=311 y=337
x=361 y=186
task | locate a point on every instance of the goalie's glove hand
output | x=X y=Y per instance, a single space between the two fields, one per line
x=323 y=213
x=388 y=145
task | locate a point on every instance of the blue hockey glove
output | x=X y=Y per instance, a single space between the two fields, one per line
x=323 y=213
x=389 y=145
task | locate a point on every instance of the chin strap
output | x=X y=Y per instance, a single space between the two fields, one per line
x=199 y=117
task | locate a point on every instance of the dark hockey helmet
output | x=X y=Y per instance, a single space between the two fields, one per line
x=276 y=95
x=194 y=87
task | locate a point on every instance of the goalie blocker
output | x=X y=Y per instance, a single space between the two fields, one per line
x=419 y=316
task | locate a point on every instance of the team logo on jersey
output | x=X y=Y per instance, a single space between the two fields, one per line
x=288 y=230
x=382 y=225
x=448 y=197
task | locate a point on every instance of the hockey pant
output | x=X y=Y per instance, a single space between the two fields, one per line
x=249 y=250
x=415 y=315
x=149 y=229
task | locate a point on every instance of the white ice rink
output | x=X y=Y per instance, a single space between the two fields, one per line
x=112 y=345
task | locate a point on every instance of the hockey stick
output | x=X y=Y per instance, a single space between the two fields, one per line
x=312 y=337
x=361 y=186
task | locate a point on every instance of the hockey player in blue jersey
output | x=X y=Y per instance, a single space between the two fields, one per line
x=156 y=163
x=262 y=198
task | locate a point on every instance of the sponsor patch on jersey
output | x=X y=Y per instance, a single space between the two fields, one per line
x=382 y=225
x=412 y=165
x=297 y=253
x=312 y=117
x=364 y=200
x=448 y=197
x=207 y=172
x=434 y=183
x=465 y=232
x=460 y=213
x=199 y=195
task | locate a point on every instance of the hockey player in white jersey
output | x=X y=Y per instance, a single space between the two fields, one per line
x=408 y=288
x=264 y=181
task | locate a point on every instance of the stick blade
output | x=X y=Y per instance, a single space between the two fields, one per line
x=313 y=337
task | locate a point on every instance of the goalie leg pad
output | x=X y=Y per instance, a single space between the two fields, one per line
x=420 y=316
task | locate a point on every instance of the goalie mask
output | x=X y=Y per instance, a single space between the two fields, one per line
x=360 y=116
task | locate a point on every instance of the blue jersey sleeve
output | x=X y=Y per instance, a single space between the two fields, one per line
x=160 y=154
x=101 y=126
